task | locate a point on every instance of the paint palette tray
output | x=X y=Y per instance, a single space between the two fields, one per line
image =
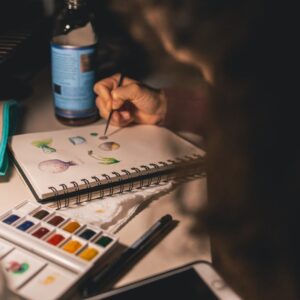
x=44 y=253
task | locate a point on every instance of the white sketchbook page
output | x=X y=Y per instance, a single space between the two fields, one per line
x=139 y=145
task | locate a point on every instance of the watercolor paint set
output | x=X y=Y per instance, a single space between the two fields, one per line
x=45 y=254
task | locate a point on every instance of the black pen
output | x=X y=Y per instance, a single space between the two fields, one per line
x=111 y=112
x=129 y=254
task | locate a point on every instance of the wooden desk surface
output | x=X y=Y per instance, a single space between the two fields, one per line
x=178 y=248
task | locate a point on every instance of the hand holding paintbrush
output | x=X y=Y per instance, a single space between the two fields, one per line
x=125 y=101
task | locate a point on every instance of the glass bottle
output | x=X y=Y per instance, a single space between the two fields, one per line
x=73 y=52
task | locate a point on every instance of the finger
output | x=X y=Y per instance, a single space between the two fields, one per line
x=111 y=82
x=142 y=97
x=101 y=102
x=104 y=100
x=104 y=92
x=104 y=87
x=108 y=83
x=117 y=103
x=103 y=108
x=143 y=118
x=116 y=119
x=121 y=119
x=126 y=116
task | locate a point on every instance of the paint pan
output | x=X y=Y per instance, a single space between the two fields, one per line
x=89 y=253
x=57 y=220
x=89 y=233
x=73 y=245
x=58 y=237
x=72 y=226
x=10 y=219
x=41 y=214
x=104 y=241
x=42 y=231
x=26 y=224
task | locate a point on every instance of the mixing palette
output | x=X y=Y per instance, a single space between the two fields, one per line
x=44 y=253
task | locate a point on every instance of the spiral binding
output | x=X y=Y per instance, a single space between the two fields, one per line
x=101 y=195
x=159 y=176
x=124 y=180
x=88 y=185
x=138 y=171
x=150 y=178
x=55 y=191
x=111 y=189
x=76 y=187
x=66 y=194
x=120 y=179
x=128 y=178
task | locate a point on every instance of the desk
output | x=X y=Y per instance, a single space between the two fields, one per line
x=178 y=248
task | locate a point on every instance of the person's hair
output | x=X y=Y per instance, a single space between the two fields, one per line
x=252 y=154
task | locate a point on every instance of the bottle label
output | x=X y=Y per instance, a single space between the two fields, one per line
x=73 y=77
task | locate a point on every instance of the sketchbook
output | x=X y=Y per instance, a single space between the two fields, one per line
x=74 y=165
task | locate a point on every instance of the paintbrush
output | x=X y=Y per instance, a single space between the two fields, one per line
x=111 y=112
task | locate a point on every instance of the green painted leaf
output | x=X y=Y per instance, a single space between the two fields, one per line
x=108 y=161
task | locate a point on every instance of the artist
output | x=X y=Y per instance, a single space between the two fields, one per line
x=246 y=51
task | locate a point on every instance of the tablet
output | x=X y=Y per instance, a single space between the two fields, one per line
x=194 y=281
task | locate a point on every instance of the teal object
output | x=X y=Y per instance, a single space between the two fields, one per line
x=8 y=120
